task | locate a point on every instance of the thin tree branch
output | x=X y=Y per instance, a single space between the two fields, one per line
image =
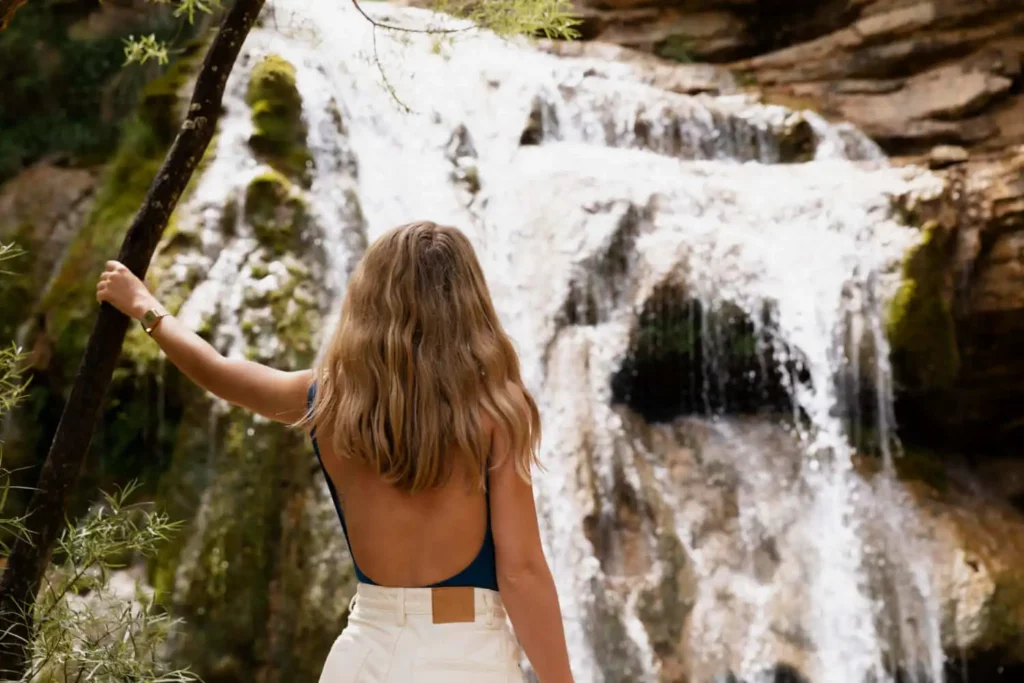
x=7 y=10
x=59 y=477
x=404 y=29
x=384 y=76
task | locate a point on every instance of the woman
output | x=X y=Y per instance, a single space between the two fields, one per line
x=426 y=436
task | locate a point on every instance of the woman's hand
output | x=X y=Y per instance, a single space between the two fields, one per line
x=119 y=287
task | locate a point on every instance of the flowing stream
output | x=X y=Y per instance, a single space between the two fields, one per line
x=591 y=197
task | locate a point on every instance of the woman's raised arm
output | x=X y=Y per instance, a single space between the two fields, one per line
x=275 y=394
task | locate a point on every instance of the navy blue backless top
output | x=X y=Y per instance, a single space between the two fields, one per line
x=480 y=573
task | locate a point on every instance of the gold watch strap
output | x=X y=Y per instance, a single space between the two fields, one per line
x=151 y=318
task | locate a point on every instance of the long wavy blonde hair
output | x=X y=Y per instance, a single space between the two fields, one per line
x=419 y=374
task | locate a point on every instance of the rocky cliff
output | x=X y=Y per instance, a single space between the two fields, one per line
x=910 y=73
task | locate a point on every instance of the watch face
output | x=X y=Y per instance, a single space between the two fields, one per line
x=149 y=320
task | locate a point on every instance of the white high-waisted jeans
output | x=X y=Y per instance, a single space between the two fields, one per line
x=391 y=637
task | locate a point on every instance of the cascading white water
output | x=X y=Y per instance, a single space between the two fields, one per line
x=557 y=167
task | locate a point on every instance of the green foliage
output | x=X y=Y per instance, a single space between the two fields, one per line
x=144 y=49
x=150 y=48
x=11 y=385
x=189 y=8
x=920 y=323
x=548 y=18
x=132 y=422
x=12 y=388
x=64 y=91
x=279 y=134
x=88 y=628
x=18 y=291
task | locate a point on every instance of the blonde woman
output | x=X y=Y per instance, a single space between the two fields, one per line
x=427 y=436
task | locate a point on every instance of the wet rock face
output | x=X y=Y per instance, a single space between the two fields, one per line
x=730 y=545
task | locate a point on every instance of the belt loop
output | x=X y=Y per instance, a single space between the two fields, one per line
x=400 y=604
x=488 y=606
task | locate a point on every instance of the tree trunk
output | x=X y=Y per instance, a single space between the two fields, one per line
x=60 y=473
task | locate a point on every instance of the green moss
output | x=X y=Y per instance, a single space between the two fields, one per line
x=920 y=325
x=207 y=326
x=745 y=79
x=275 y=212
x=287 y=313
x=1006 y=613
x=259 y=271
x=235 y=578
x=280 y=132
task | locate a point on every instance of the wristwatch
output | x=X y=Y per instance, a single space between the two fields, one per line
x=151 y=318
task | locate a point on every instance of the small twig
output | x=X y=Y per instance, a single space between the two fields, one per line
x=392 y=27
x=7 y=10
x=384 y=77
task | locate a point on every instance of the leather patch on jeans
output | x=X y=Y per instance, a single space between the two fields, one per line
x=453 y=605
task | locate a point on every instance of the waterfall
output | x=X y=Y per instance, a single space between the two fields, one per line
x=712 y=540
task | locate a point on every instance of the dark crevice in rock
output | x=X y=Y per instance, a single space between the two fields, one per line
x=780 y=673
x=461 y=153
x=879 y=62
x=781 y=23
x=541 y=113
x=686 y=358
x=602 y=276
x=986 y=667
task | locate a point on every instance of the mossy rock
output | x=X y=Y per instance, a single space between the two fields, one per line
x=280 y=322
x=275 y=212
x=222 y=591
x=920 y=324
x=279 y=134
x=241 y=582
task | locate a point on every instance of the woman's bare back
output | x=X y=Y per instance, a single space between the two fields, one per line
x=406 y=539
